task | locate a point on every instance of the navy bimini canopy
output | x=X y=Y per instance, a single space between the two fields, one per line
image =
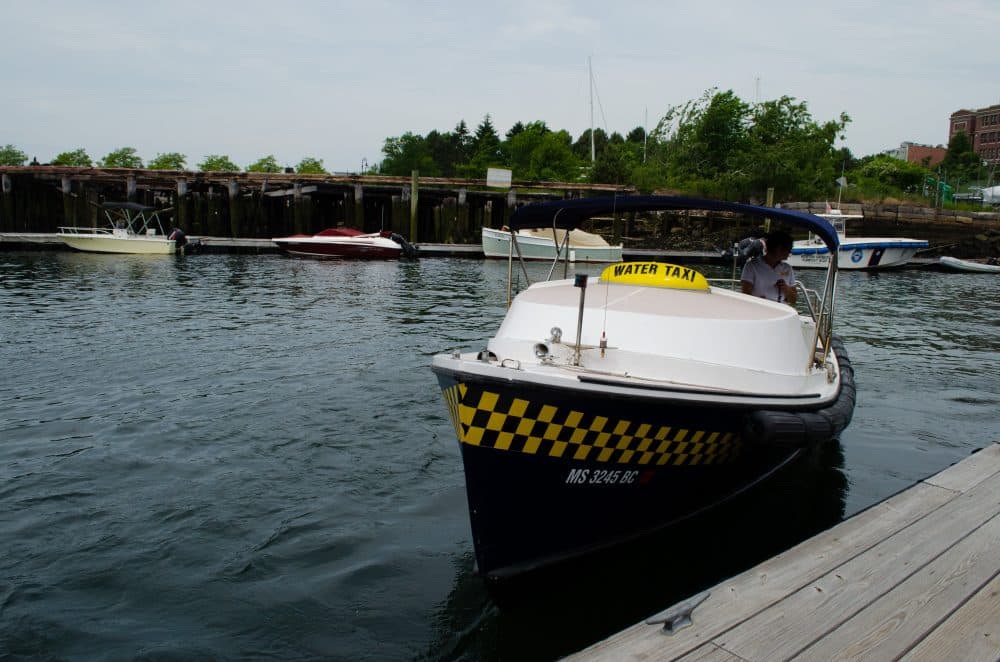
x=131 y=206
x=569 y=214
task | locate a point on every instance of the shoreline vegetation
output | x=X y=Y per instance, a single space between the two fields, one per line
x=716 y=146
x=432 y=188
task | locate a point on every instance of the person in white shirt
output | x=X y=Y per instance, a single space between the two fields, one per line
x=769 y=276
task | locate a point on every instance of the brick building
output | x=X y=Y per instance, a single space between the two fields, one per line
x=923 y=154
x=983 y=128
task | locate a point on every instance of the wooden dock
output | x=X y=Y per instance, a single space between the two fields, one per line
x=51 y=241
x=915 y=577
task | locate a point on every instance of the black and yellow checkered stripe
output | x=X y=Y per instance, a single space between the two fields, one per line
x=488 y=419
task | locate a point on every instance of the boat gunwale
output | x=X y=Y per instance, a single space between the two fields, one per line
x=477 y=371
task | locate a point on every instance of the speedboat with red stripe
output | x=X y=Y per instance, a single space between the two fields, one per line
x=347 y=243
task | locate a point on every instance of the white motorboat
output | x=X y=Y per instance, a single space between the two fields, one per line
x=548 y=243
x=601 y=410
x=132 y=228
x=854 y=252
x=347 y=243
x=990 y=266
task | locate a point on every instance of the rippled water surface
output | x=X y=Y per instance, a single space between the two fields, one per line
x=248 y=456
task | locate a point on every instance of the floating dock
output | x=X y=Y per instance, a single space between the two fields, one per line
x=51 y=241
x=915 y=577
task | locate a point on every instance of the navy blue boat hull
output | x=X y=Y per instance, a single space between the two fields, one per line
x=552 y=475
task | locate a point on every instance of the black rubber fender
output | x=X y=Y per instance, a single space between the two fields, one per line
x=795 y=429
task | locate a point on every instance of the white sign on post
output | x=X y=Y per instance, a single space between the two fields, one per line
x=498 y=177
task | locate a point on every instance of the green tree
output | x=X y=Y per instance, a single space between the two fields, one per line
x=168 y=161
x=582 y=145
x=310 y=166
x=463 y=144
x=265 y=164
x=12 y=156
x=446 y=151
x=217 y=163
x=407 y=153
x=614 y=165
x=960 y=160
x=883 y=175
x=789 y=151
x=123 y=157
x=534 y=152
x=553 y=159
x=518 y=149
x=720 y=145
x=78 y=158
x=485 y=150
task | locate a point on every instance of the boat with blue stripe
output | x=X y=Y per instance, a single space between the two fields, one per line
x=854 y=252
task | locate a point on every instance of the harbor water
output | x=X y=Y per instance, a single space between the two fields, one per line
x=247 y=456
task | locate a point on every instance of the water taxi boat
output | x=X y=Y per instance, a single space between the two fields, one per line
x=132 y=228
x=601 y=410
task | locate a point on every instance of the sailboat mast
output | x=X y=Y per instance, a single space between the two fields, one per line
x=841 y=182
x=590 y=68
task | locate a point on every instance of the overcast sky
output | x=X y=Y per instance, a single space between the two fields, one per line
x=332 y=80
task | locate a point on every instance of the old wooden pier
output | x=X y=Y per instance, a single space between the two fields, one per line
x=916 y=577
x=38 y=199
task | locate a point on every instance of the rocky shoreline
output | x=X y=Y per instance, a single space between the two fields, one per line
x=960 y=234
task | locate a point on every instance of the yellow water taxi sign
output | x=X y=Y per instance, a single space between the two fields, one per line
x=655 y=274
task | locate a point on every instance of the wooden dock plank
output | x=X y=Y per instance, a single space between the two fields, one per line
x=780 y=631
x=739 y=599
x=888 y=627
x=972 y=633
x=966 y=474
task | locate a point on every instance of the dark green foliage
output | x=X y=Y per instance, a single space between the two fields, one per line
x=77 y=157
x=218 y=163
x=310 y=166
x=582 y=145
x=407 y=153
x=722 y=146
x=717 y=145
x=265 y=164
x=960 y=161
x=883 y=176
x=123 y=157
x=614 y=165
x=169 y=161
x=12 y=156
x=534 y=152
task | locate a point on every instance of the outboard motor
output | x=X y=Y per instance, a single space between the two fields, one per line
x=750 y=247
x=745 y=249
x=409 y=250
x=178 y=235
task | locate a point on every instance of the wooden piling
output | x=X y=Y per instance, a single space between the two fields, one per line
x=414 y=197
x=303 y=220
x=235 y=209
x=357 y=211
x=6 y=203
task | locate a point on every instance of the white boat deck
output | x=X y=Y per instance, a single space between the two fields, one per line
x=916 y=577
